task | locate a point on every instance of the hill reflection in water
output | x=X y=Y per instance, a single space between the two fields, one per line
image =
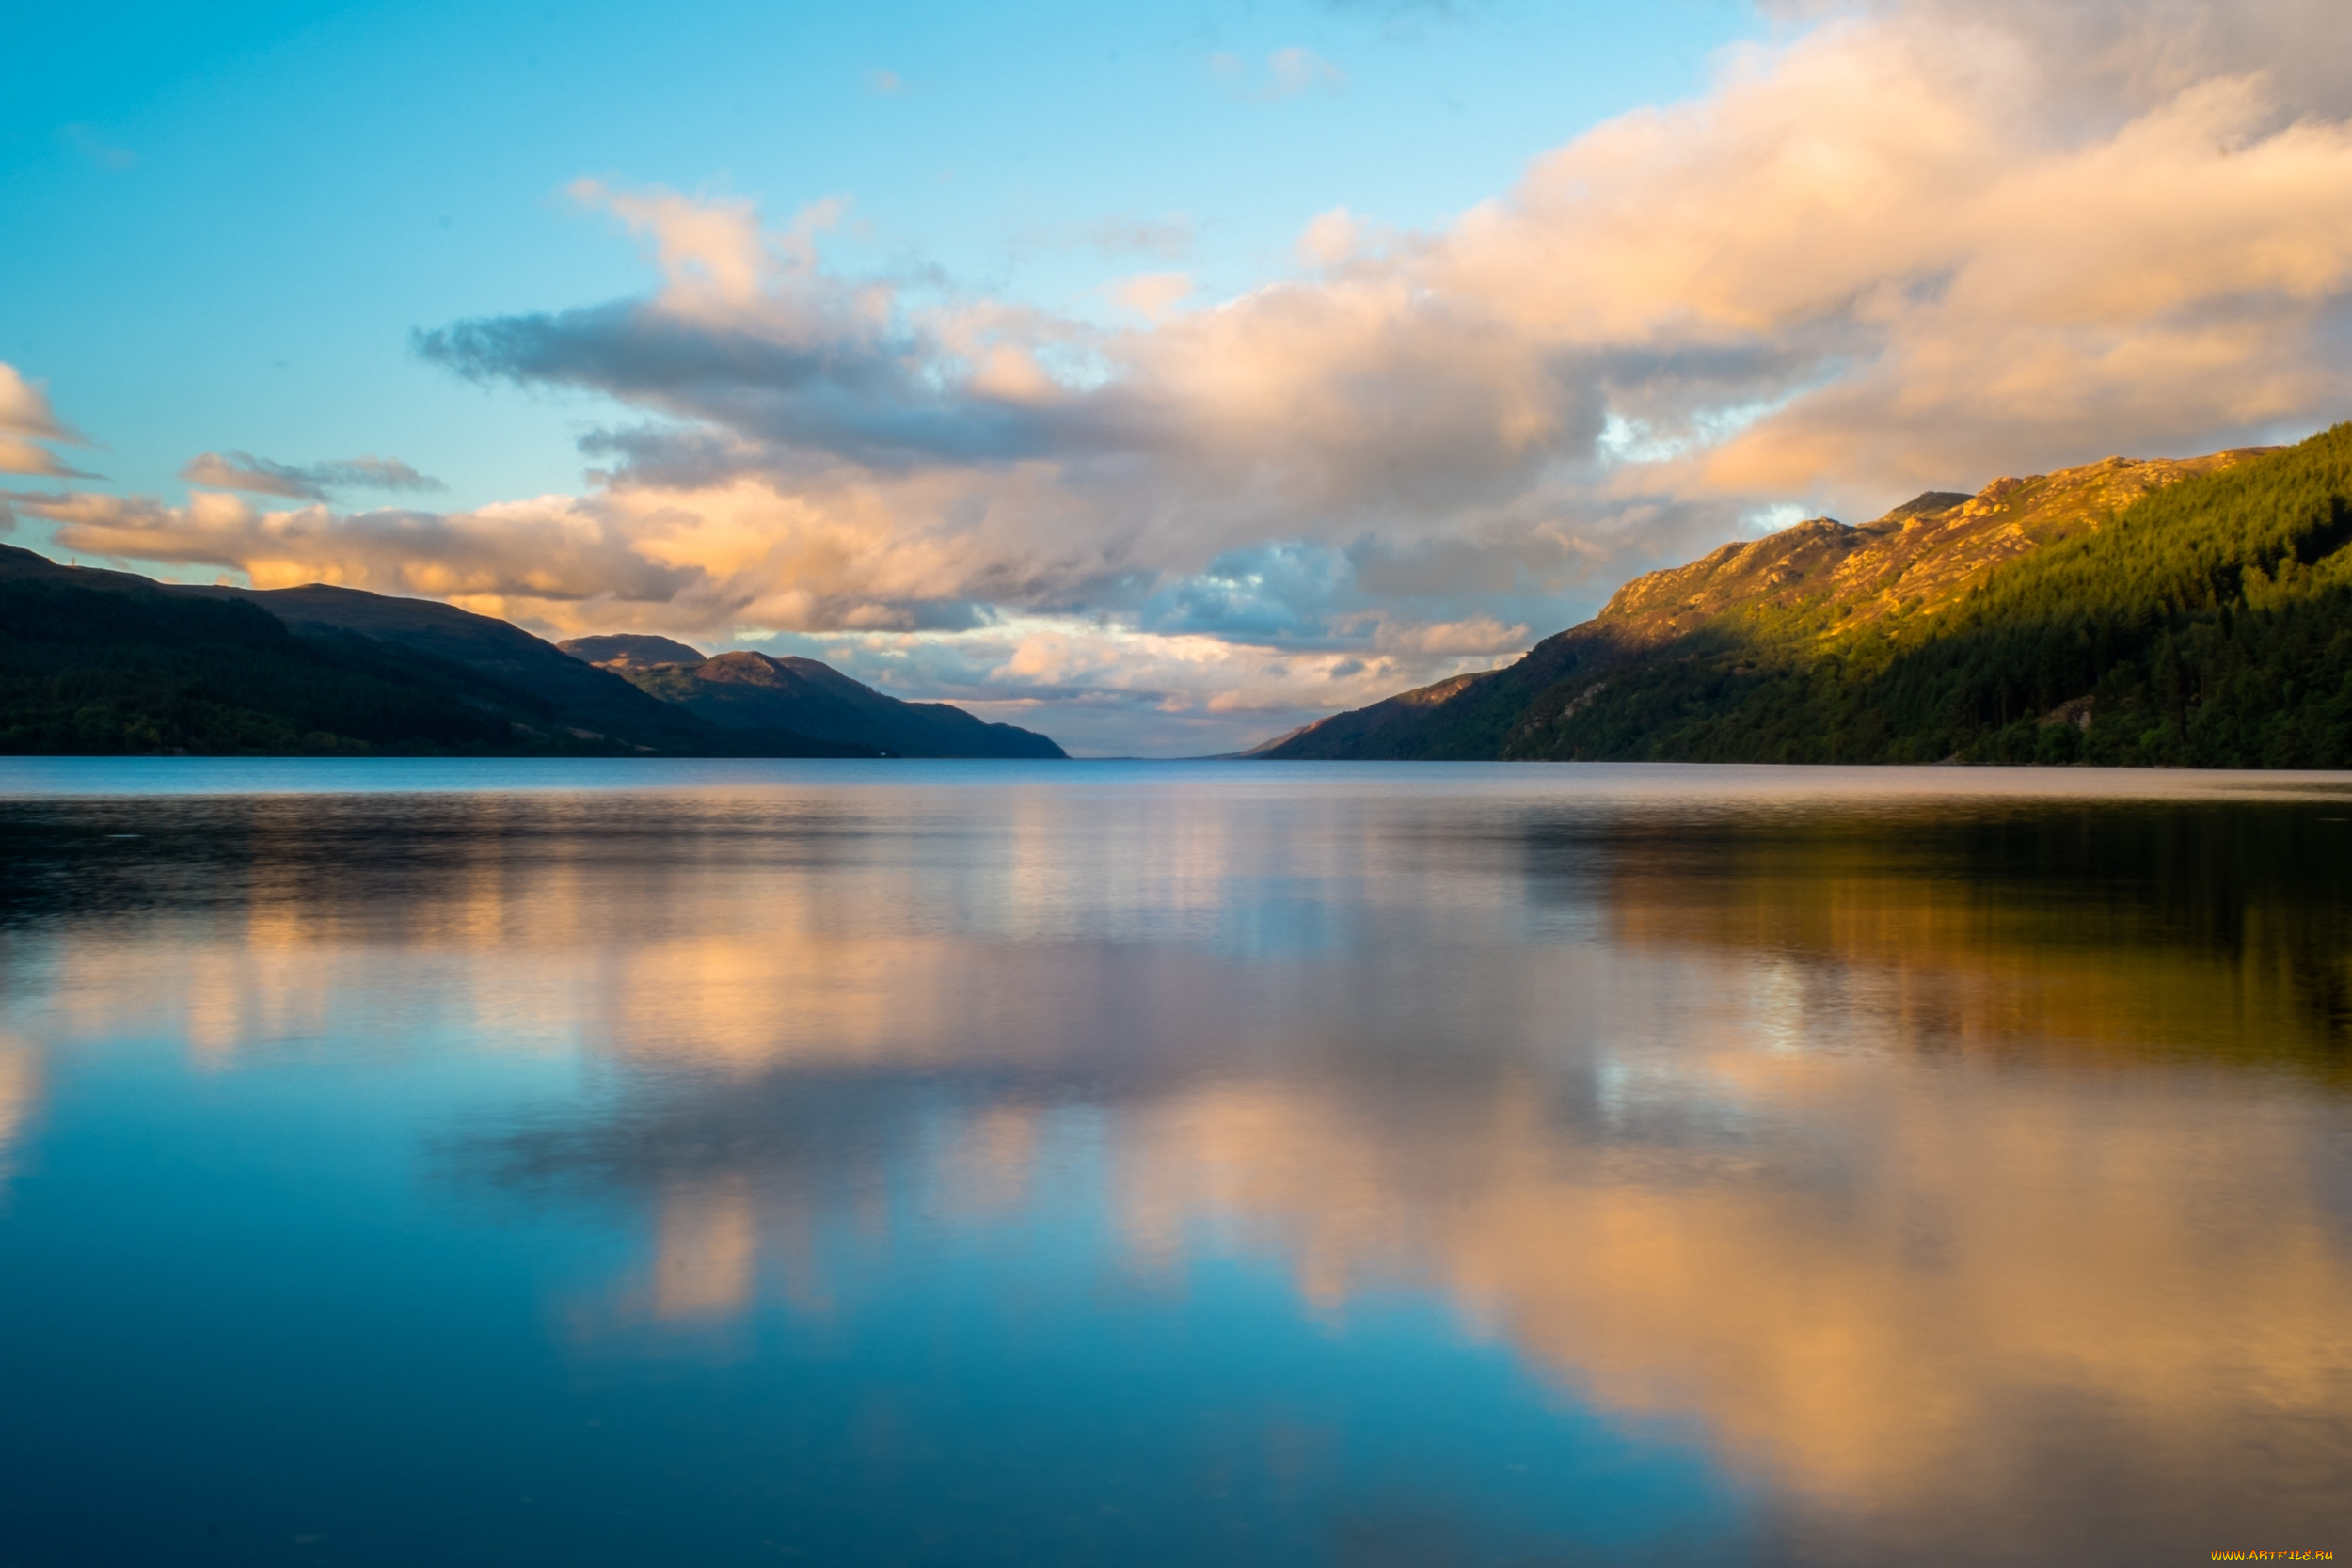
x=1217 y=1163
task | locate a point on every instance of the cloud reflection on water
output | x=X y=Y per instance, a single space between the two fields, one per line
x=1935 y=1165
x=20 y=1095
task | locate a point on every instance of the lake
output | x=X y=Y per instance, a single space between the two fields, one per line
x=410 y=1162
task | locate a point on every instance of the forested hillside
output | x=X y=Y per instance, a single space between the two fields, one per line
x=2194 y=615
x=98 y=662
x=750 y=690
x=91 y=672
x=95 y=662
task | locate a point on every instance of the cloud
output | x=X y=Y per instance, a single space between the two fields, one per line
x=25 y=408
x=25 y=420
x=1329 y=238
x=26 y=457
x=1153 y=294
x=1906 y=246
x=1283 y=393
x=887 y=83
x=1111 y=691
x=2121 y=55
x=551 y=551
x=242 y=471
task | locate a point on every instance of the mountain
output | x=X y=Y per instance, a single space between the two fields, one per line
x=743 y=690
x=585 y=696
x=2193 y=612
x=96 y=661
x=631 y=650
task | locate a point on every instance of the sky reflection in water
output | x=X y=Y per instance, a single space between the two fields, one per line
x=876 y=1164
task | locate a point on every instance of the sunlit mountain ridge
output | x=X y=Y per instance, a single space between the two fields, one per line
x=2194 y=612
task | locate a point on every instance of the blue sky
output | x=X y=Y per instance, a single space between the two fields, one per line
x=1160 y=377
x=226 y=221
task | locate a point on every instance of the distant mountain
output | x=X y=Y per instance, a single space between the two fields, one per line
x=746 y=689
x=631 y=650
x=2194 y=612
x=1263 y=748
x=586 y=697
x=95 y=661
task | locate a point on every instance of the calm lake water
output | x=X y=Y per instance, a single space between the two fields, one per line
x=1104 y=1164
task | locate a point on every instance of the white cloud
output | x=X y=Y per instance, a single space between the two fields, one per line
x=1329 y=238
x=1109 y=690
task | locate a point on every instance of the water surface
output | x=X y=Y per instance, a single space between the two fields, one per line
x=890 y=1163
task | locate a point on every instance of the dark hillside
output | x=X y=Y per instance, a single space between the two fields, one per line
x=95 y=661
x=97 y=670
x=746 y=689
x=591 y=698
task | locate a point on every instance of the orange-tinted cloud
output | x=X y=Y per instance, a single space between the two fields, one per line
x=27 y=420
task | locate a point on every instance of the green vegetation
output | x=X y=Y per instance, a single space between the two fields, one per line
x=2209 y=625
